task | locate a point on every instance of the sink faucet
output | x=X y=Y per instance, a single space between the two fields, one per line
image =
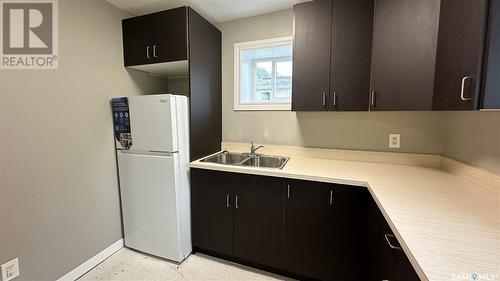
x=253 y=149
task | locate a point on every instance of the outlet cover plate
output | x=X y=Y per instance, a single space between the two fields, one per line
x=10 y=270
x=394 y=140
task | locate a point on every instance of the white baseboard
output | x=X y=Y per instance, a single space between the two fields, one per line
x=92 y=262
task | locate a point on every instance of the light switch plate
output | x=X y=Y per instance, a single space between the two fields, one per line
x=394 y=140
x=10 y=270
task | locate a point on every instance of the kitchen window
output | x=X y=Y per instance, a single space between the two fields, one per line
x=263 y=74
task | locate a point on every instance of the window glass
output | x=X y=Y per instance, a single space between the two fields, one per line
x=265 y=74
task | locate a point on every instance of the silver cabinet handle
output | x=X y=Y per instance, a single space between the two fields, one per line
x=288 y=191
x=373 y=98
x=147 y=52
x=236 y=202
x=389 y=242
x=324 y=99
x=331 y=198
x=154 y=51
x=227 y=201
x=463 y=87
x=334 y=99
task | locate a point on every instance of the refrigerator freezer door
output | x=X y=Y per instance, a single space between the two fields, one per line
x=153 y=123
x=149 y=206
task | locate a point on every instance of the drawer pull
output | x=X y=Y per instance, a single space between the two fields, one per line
x=154 y=51
x=227 y=201
x=331 y=198
x=288 y=191
x=462 y=89
x=389 y=242
x=236 y=202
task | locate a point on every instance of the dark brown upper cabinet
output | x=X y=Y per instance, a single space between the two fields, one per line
x=311 y=56
x=404 y=54
x=158 y=43
x=351 y=54
x=459 y=53
x=205 y=86
x=331 y=55
x=155 y=38
x=490 y=98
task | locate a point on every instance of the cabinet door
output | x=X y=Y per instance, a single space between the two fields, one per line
x=137 y=38
x=404 y=54
x=459 y=54
x=170 y=29
x=309 y=240
x=351 y=54
x=394 y=265
x=348 y=259
x=491 y=89
x=205 y=86
x=212 y=214
x=258 y=228
x=311 y=55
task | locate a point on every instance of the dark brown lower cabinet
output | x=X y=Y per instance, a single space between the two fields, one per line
x=324 y=227
x=309 y=250
x=238 y=215
x=302 y=229
x=212 y=217
x=394 y=265
x=386 y=259
x=258 y=227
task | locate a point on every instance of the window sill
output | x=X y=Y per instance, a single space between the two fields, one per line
x=263 y=107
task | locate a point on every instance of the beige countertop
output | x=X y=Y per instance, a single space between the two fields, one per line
x=445 y=214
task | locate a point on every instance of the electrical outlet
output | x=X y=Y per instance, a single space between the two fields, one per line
x=10 y=270
x=394 y=140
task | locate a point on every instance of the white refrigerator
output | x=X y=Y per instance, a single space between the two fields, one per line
x=152 y=147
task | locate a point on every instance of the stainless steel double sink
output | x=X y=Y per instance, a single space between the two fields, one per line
x=247 y=160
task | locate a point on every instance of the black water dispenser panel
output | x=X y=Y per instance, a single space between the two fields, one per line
x=121 y=117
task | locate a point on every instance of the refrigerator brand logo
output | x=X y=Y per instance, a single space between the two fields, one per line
x=28 y=34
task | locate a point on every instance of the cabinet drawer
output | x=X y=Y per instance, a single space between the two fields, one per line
x=249 y=183
x=394 y=265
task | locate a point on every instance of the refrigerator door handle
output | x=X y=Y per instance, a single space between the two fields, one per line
x=165 y=152
x=149 y=152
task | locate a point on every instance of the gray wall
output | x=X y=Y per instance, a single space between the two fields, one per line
x=59 y=193
x=420 y=131
x=178 y=86
x=473 y=138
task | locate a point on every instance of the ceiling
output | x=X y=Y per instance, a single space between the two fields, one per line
x=216 y=11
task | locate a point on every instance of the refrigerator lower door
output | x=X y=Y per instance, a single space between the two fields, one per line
x=149 y=204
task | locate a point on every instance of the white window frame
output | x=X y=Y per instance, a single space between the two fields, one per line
x=266 y=43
